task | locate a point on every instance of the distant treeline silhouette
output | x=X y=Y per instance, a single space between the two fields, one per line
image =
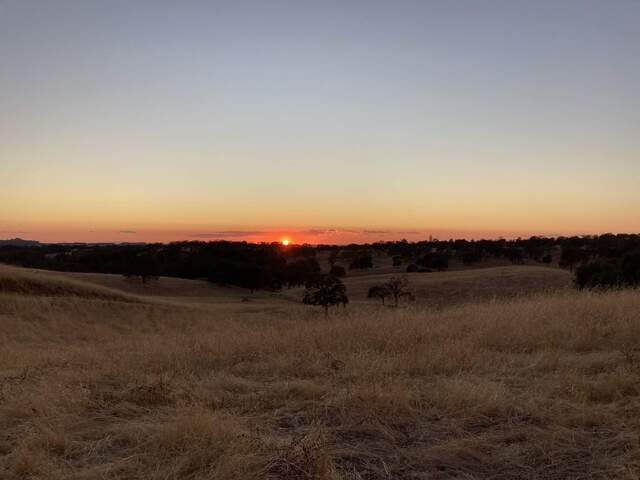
x=598 y=261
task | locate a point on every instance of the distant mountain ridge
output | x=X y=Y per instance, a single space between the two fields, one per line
x=20 y=242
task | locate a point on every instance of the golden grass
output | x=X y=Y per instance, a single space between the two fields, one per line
x=39 y=283
x=540 y=387
x=470 y=285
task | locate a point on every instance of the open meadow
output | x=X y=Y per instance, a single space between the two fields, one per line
x=102 y=378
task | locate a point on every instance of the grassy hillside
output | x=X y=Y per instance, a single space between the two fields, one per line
x=39 y=283
x=460 y=286
x=540 y=387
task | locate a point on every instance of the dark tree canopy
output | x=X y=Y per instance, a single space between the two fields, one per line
x=270 y=266
x=326 y=291
x=434 y=260
x=398 y=287
x=338 y=271
x=379 y=291
x=362 y=262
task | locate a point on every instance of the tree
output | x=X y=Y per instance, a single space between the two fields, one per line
x=300 y=271
x=435 y=260
x=470 y=256
x=362 y=262
x=338 y=271
x=630 y=269
x=397 y=287
x=326 y=291
x=598 y=274
x=379 y=291
x=571 y=256
x=143 y=266
x=515 y=255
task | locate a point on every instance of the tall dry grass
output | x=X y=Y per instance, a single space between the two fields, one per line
x=546 y=387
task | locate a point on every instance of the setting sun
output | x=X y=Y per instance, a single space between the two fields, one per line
x=285 y=241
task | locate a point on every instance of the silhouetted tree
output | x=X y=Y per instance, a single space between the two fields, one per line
x=338 y=271
x=142 y=266
x=471 y=256
x=630 y=269
x=515 y=255
x=397 y=288
x=379 y=291
x=598 y=274
x=571 y=256
x=300 y=271
x=362 y=262
x=435 y=260
x=326 y=291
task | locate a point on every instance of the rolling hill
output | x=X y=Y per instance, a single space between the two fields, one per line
x=101 y=382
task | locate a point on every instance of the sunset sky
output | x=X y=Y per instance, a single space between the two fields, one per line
x=325 y=121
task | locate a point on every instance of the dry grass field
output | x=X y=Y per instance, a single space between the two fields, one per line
x=104 y=379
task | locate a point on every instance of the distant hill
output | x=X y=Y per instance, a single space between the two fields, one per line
x=19 y=242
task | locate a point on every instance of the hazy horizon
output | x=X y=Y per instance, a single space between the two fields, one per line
x=327 y=122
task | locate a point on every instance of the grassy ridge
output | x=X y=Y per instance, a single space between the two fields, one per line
x=539 y=387
x=38 y=283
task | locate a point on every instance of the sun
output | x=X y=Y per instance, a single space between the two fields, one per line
x=285 y=241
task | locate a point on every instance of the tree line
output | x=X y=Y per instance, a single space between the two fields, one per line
x=597 y=261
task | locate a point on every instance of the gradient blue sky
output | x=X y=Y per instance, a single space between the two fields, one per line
x=144 y=120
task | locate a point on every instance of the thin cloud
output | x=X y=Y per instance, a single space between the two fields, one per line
x=128 y=231
x=227 y=234
x=318 y=231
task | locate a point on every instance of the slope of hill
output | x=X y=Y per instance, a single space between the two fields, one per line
x=542 y=387
x=460 y=286
x=38 y=283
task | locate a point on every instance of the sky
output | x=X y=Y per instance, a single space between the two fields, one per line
x=326 y=121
